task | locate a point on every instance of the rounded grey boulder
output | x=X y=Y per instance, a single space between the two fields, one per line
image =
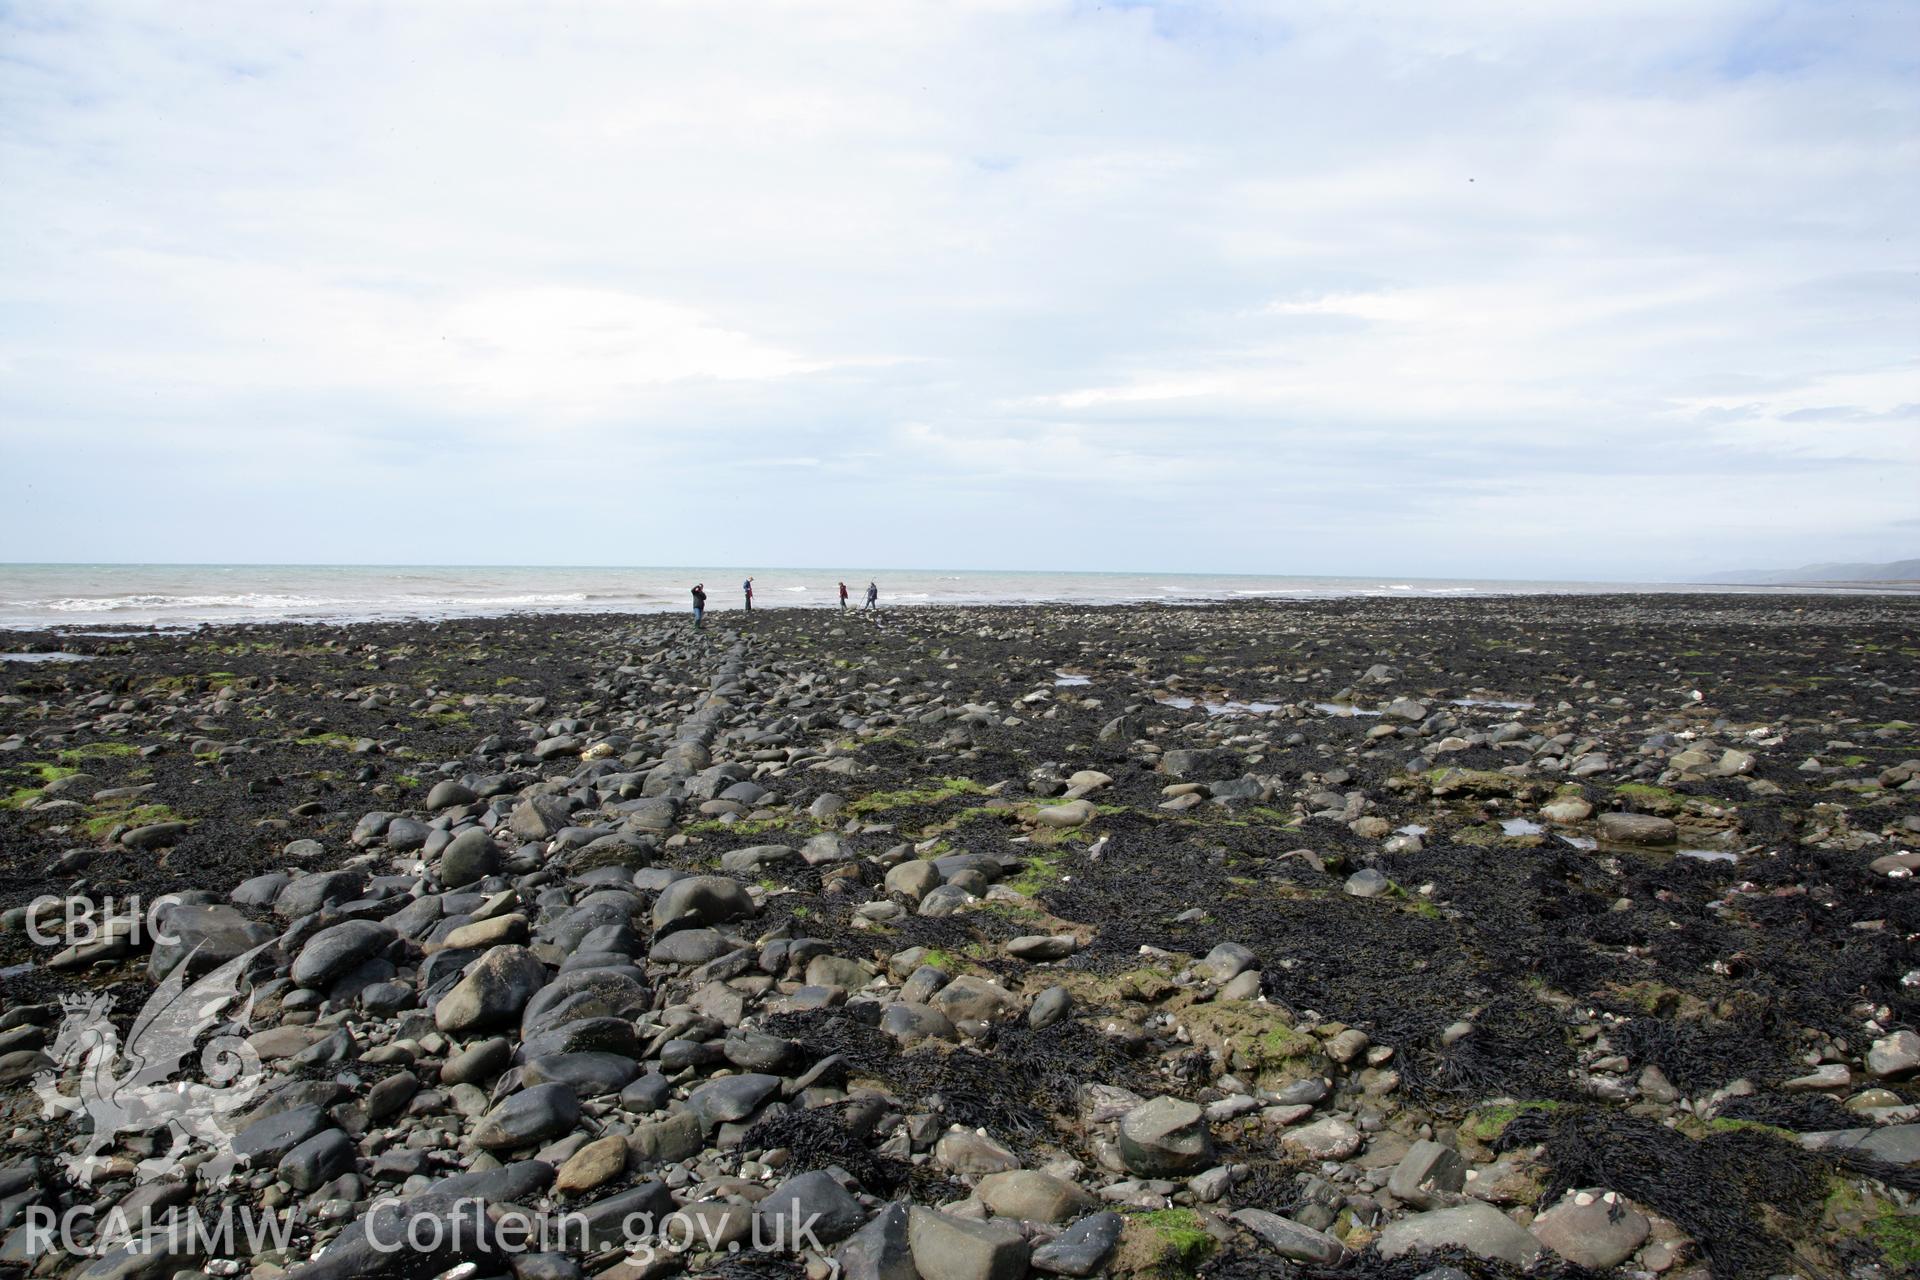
x=700 y=900
x=449 y=792
x=494 y=990
x=336 y=950
x=813 y=1202
x=532 y=1115
x=472 y=855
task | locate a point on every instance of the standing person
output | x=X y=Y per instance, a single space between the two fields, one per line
x=873 y=596
x=699 y=603
x=843 y=597
x=747 y=587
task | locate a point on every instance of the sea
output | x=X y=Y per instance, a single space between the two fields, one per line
x=95 y=596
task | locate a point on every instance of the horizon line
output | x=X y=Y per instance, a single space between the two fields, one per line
x=1715 y=577
x=784 y=568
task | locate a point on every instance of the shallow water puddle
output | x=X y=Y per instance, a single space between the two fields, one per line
x=1066 y=679
x=1708 y=855
x=1492 y=702
x=1521 y=827
x=1342 y=709
x=46 y=657
x=1229 y=708
x=1412 y=829
x=1702 y=855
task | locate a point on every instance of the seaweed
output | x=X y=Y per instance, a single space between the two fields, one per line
x=1735 y=1191
x=1240 y=1263
x=1016 y=1087
x=754 y=1264
x=1698 y=1055
x=1804 y=1113
x=821 y=1138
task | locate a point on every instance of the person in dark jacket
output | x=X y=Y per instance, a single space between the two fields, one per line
x=699 y=603
x=747 y=587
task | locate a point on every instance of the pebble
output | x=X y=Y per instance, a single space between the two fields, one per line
x=557 y=960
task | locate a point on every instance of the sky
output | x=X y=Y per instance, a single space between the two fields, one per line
x=1608 y=289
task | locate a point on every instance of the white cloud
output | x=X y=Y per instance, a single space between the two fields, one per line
x=1477 y=263
x=1054 y=456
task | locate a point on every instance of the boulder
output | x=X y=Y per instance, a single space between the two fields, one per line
x=531 y=1116
x=449 y=792
x=211 y=934
x=1895 y=1057
x=320 y=1159
x=591 y=1075
x=1637 y=829
x=594 y=1165
x=336 y=950
x=807 y=1210
x=881 y=1250
x=304 y=895
x=1430 y=1175
x=1072 y=814
x=976 y=999
x=155 y=835
x=1593 y=1229
x=1328 y=1139
x=1566 y=810
x=951 y=1248
x=1049 y=1007
x=1083 y=1248
x=1228 y=960
x=472 y=855
x=726 y=1099
x=701 y=900
x=663 y=1141
x=825 y=848
x=1165 y=1137
x=266 y=1141
x=1291 y=1239
x=1033 y=1196
x=1367 y=883
x=913 y=878
x=404 y=835
x=538 y=818
x=1478 y=1228
x=965 y=1151
x=910 y=1023
x=754 y=857
x=492 y=993
x=1038 y=948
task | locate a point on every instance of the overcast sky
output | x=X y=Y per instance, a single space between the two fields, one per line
x=1591 y=288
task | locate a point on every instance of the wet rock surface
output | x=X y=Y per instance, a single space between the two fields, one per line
x=1355 y=937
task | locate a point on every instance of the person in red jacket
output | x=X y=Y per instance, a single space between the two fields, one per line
x=843 y=597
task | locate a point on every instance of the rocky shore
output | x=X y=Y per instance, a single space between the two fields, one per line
x=1407 y=938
